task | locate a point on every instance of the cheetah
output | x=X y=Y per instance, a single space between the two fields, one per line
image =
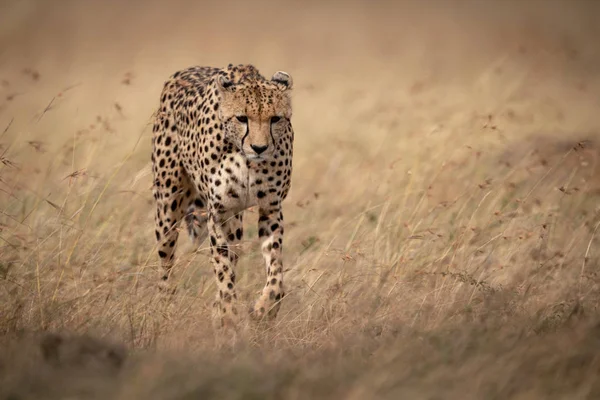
x=223 y=142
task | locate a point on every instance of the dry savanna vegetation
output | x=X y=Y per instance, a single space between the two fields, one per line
x=442 y=229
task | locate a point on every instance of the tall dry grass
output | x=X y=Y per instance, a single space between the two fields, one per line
x=441 y=232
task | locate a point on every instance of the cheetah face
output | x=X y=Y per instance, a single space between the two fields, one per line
x=255 y=113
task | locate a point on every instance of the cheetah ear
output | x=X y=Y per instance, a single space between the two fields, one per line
x=224 y=83
x=283 y=80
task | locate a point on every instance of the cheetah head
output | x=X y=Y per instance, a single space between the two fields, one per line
x=255 y=112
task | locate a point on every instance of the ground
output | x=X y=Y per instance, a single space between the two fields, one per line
x=442 y=226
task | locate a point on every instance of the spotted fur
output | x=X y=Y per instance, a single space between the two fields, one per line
x=223 y=142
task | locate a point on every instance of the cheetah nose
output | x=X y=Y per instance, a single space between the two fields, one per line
x=258 y=149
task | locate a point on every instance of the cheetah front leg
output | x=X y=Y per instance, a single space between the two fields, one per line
x=270 y=230
x=225 y=231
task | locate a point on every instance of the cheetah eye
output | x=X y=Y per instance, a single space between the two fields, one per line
x=242 y=118
x=275 y=119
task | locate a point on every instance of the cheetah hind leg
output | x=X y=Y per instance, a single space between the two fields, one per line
x=196 y=221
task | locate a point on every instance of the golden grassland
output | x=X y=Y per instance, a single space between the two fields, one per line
x=441 y=233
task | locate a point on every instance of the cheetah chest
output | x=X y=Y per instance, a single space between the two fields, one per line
x=230 y=184
x=239 y=184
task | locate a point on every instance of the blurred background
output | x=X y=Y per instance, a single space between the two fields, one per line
x=369 y=75
x=114 y=51
x=440 y=230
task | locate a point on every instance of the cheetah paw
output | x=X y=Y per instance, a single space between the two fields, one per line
x=167 y=287
x=263 y=312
